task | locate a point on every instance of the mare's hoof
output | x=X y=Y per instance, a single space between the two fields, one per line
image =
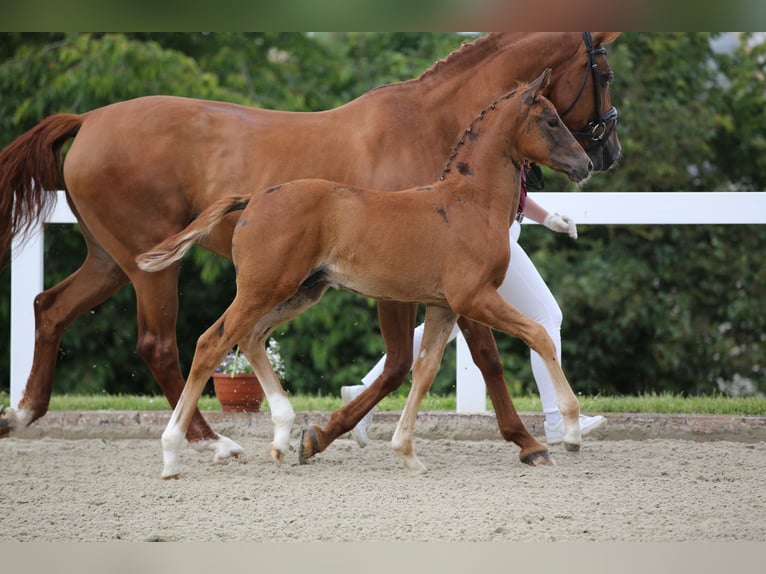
x=5 y=423
x=540 y=458
x=570 y=447
x=309 y=445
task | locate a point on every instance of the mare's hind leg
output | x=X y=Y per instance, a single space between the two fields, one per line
x=93 y=283
x=439 y=324
x=157 y=305
x=397 y=322
x=55 y=309
x=489 y=308
x=485 y=354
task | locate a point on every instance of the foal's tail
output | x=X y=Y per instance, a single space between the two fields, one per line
x=175 y=247
x=30 y=173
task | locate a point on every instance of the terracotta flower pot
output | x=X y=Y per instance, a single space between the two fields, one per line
x=240 y=393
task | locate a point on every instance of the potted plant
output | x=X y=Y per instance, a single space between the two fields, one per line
x=235 y=384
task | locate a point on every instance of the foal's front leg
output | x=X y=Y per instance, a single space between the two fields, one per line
x=485 y=354
x=489 y=308
x=439 y=324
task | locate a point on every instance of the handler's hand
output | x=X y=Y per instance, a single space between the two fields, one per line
x=561 y=224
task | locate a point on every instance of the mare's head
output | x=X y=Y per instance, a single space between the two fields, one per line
x=580 y=92
x=542 y=136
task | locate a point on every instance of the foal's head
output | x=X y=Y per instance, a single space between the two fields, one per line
x=543 y=138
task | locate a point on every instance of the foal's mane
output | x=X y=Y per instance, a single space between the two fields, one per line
x=469 y=131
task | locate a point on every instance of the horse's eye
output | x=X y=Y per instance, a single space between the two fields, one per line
x=554 y=123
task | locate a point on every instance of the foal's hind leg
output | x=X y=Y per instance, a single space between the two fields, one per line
x=244 y=322
x=485 y=354
x=211 y=348
x=397 y=322
x=282 y=413
x=55 y=309
x=157 y=305
x=439 y=324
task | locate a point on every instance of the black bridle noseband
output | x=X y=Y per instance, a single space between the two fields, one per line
x=597 y=129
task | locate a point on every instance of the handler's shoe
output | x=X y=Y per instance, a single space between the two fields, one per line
x=359 y=432
x=554 y=433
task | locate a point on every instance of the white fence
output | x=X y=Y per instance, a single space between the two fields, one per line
x=679 y=208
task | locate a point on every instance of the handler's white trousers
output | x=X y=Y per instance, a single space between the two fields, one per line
x=525 y=289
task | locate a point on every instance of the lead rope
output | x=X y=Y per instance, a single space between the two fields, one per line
x=531 y=177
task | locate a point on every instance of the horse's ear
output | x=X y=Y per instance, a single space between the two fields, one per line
x=600 y=38
x=536 y=88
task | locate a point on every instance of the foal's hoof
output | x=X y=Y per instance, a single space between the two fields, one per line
x=225 y=448
x=309 y=445
x=571 y=447
x=414 y=466
x=540 y=458
x=277 y=455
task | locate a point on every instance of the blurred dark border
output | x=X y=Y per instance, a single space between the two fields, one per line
x=378 y=15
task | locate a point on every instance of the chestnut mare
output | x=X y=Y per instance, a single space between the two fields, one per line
x=449 y=250
x=139 y=171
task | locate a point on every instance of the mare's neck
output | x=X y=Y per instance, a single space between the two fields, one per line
x=454 y=90
x=462 y=84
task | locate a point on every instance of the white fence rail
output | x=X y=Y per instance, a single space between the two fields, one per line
x=679 y=208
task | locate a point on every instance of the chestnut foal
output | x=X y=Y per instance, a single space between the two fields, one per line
x=449 y=250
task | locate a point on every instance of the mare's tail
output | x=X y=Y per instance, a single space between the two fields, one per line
x=175 y=247
x=30 y=173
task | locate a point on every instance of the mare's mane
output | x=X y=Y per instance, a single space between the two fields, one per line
x=465 y=51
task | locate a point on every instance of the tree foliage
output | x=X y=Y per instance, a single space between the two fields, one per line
x=676 y=308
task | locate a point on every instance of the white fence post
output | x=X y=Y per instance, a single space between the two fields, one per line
x=673 y=208
x=26 y=283
x=470 y=392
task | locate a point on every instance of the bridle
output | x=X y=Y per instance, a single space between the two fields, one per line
x=598 y=129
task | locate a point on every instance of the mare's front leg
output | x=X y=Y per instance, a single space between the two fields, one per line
x=486 y=356
x=439 y=324
x=55 y=309
x=489 y=308
x=397 y=323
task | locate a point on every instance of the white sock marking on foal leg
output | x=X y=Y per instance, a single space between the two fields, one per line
x=283 y=416
x=172 y=440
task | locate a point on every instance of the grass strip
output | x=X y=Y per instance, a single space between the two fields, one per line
x=664 y=403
